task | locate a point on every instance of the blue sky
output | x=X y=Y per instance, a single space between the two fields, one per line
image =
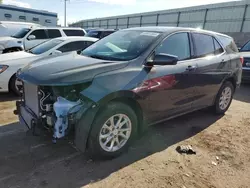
x=85 y=9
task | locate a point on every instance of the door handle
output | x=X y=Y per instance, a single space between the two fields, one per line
x=190 y=68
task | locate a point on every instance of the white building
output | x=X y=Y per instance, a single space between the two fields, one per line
x=20 y=14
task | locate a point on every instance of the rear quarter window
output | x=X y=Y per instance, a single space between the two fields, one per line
x=228 y=43
x=72 y=32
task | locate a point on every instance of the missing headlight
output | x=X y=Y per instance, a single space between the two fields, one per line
x=71 y=92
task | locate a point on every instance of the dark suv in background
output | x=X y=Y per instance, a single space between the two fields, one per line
x=128 y=80
x=245 y=53
x=100 y=33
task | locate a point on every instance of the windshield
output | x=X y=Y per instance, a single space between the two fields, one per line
x=122 y=45
x=246 y=47
x=21 y=33
x=44 y=47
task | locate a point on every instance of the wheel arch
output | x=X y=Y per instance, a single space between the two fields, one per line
x=10 y=48
x=129 y=98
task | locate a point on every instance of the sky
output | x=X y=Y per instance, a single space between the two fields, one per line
x=86 y=9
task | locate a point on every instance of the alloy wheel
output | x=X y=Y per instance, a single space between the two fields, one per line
x=115 y=132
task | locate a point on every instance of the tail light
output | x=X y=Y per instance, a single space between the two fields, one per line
x=242 y=60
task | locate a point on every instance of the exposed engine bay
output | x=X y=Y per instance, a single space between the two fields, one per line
x=55 y=108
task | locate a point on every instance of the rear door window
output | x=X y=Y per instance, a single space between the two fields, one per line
x=204 y=45
x=75 y=46
x=177 y=45
x=72 y=32
x=228 y=43
x=54 y=33
x=39 y=34
x=217 y=48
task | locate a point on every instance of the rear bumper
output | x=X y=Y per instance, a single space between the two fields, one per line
x=245 y=74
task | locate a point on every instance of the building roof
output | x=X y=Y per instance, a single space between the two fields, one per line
x=28 y=10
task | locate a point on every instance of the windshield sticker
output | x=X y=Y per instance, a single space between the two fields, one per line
x=150 y=34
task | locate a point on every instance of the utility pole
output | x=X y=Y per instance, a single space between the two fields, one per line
x=65 y=13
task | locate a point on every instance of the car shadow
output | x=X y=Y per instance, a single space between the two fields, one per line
x=243 y=94
x=35 y=162
x=7 y=97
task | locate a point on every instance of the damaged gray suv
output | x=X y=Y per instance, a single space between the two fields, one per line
x=132 y=78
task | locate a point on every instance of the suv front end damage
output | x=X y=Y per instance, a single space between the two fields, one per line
x=53 y=108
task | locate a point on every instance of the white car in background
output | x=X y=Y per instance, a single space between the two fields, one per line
x=11 y=62
x=10 y=28
x=27 y=38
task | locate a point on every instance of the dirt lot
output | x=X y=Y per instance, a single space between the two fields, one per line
x=30 y=162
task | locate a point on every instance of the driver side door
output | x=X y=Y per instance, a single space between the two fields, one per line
x=172 y=87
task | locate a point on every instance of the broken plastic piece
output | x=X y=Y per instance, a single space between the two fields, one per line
x=185 y=149
x=62 y=108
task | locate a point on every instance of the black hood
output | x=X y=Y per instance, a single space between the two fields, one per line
x=66 y=69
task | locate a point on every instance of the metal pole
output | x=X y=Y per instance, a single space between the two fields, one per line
x=178 y=19
x=205 y=19
x=244 y=18
x=65 y=12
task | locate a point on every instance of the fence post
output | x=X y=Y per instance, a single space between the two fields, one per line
x=178 y=19
x=141 y=21
x=157 y=19
x=116 y=23
x=107 y=23
x=244 y=18
x=127 y=22
x=205 y=19
x=99 y=23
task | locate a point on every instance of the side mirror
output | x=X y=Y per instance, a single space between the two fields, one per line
x=56 y=52
x=239 y=49
x=163 y=59
x=32 y=37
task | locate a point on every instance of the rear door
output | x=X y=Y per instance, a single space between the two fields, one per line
x=40 y=37
x=172 y=86
x=213 y=65
x=53 y=33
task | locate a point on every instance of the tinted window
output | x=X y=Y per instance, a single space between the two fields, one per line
x=54 y=33
x=8 y=15
x=22 y=17
x=123 y=45
x=75 y=46
x=246 y=47
x=69 y=32
x=94 y=34
x=20 y=34
x=177 y=45
x=39 y=34
x=217 y=48
x=228 y=43
x=36 y=19
x=204 y=44
x=106 y=33
x=44 y=47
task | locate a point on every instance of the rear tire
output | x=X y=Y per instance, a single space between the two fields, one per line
x=14 y=87
x=224 y=98
x=107 y=139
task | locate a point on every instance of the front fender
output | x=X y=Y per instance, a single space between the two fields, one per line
x=13 y=44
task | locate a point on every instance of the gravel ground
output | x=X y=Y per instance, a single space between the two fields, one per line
x=222 y=159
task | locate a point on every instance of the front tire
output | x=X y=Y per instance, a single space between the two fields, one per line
x=15 y=85
x=224 y=98
x=113 y=130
